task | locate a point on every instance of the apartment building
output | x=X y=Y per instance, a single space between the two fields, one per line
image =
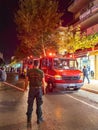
x=86 y=15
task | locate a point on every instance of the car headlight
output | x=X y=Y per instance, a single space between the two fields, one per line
x=58 y=77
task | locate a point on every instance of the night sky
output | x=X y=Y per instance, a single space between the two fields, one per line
x=8 y=34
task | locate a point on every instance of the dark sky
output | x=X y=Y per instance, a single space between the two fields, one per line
x=8 y=34
x=8 y=38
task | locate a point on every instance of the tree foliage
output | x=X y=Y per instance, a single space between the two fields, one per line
x=71 y=39
x=36 y=20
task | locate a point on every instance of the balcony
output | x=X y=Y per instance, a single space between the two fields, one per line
x=87 y=15
x=77 y=5
x=88 y=21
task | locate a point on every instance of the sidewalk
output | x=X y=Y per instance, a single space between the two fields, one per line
x=92 y=87
x=19 y=85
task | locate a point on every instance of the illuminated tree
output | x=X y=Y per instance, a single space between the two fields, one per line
x=71 y=39
x=36 y=20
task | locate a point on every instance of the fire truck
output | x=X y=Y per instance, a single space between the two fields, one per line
x=61 y=73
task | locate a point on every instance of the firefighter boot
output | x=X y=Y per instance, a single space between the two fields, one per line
x=29 y=121
x=40 y=120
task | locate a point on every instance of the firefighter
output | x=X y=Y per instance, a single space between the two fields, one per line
x=36 y=79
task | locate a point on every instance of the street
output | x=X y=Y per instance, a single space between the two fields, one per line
x=61 y=110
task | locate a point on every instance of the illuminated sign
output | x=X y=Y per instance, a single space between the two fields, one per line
x=93 y=9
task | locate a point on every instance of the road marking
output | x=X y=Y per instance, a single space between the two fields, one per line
x=83 y=102
x=9 y=84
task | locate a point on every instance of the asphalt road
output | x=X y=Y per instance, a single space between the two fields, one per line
x=61 y=111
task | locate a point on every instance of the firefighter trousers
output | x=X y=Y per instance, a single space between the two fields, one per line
x=35 y=93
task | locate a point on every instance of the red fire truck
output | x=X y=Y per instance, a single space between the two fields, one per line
x=61 y=73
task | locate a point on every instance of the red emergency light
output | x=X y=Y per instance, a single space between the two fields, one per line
x=51 y=54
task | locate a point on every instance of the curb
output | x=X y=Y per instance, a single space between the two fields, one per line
x=90 y=90
x=13 y=86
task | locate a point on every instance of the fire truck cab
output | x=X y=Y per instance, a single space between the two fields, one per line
x=61 y=73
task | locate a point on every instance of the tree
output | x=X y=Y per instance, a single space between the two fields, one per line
x=36 y=20
x=22 y=52
x=71 y=39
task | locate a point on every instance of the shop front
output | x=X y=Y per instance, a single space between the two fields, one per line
x=90 y=60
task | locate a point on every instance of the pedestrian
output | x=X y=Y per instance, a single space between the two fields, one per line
x=36 y=79
x=3 y=75
x=85 y=74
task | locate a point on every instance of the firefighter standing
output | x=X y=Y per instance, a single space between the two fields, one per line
x=36 y=79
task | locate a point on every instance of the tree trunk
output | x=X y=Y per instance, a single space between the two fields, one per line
x=44 y=52
x=43 y=47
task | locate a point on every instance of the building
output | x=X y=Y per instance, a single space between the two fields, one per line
x=85 y=14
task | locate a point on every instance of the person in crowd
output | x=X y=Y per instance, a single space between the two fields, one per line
x=85 y=74
x=36 y=79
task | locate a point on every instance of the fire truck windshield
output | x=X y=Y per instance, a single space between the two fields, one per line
x=62 y=63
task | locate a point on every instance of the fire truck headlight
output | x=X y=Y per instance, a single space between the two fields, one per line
x=58 y=77
x=81 y=76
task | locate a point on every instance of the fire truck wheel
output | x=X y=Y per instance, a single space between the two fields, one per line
x=47 y=90
x=49 y=87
